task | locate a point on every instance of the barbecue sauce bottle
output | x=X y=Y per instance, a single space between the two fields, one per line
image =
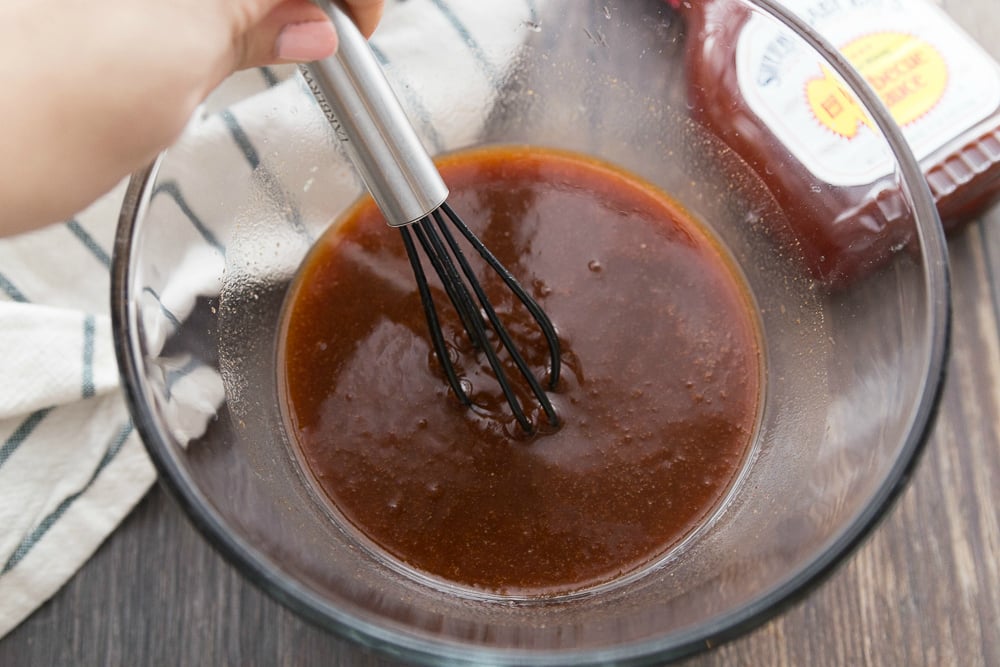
x=785 y=113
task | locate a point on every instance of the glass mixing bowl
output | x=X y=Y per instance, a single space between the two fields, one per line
x=212 y=234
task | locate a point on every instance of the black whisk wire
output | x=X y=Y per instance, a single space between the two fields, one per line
x=543 y=321
x=430 y=314
x=491 y=314
x=443 y=256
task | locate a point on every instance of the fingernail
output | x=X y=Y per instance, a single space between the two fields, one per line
x=303 y=42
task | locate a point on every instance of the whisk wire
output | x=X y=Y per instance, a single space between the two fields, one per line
x=457 y=293
x=543 y=321
x=491 y=314
x=430 y=314
x=471 y=315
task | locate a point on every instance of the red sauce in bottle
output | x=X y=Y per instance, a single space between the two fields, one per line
x=659 y=397
x=940 y=87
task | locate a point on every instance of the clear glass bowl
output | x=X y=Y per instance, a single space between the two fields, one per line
x=212 y=234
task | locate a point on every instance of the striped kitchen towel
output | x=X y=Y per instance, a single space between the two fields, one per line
x=71 y=464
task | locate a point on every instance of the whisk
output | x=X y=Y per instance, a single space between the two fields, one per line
x=357 y=100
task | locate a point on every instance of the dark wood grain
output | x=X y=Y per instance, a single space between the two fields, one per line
x=923 y=590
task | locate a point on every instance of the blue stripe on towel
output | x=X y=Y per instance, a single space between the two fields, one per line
x=416 y=105
x=484 y=63
x=170 y=188
x=241 y=139
x=270 y=78
x=533 y=8
x=166 y=311
x=176 y=375
x=45 y=524
x=89 y=327
x=11 y=290
x=88 y=241
x=21 y=433
x=246 y=146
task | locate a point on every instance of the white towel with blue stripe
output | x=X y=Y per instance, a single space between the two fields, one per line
x=71 y=465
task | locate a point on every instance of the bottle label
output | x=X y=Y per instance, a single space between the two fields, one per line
x=935 y=80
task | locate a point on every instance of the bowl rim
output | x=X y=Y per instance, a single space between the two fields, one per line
x=268 y=576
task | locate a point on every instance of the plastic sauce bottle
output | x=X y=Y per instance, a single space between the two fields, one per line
x=776 y=105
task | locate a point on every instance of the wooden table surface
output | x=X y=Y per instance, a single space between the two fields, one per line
x=923 y=590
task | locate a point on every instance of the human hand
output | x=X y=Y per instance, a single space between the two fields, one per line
x=94 y=89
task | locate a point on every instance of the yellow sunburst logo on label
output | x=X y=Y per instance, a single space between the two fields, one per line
x=834 y=105
x=907 y=73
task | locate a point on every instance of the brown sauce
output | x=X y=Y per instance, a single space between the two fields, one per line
x=658 y=399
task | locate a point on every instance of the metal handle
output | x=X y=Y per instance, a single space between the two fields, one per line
x=356 y=98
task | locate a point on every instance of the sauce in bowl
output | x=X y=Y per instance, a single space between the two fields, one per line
x=658 y=400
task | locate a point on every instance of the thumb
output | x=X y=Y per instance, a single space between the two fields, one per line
x=294 y=31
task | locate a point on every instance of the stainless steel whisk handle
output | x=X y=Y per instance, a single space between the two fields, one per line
x=368 y=119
